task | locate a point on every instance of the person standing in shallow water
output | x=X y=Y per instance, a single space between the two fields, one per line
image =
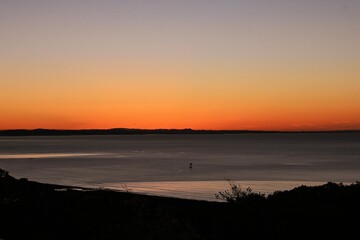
x=191 y=166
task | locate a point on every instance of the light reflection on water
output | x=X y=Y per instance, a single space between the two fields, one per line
x=204 y=190
x=159 y=164
x=45 y=155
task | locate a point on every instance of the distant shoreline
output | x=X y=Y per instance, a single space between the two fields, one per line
x=132 y=131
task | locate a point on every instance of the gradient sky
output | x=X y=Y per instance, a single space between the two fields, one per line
x=202 y=64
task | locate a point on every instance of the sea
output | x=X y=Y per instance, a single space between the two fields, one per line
x=158 y=164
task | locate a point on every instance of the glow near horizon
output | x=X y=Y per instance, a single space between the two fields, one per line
x=274 y=64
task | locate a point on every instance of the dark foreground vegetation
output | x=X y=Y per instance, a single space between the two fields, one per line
x=30 y=210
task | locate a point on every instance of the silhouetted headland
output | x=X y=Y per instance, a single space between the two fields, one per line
x=31 y=210
x=133 y=131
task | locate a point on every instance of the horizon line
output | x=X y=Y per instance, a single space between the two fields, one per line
x=179 y=129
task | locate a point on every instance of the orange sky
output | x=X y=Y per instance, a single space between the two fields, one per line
x=295 y=67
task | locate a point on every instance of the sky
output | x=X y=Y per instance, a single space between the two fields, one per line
x=201 y=64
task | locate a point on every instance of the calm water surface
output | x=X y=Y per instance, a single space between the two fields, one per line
x=159 y=164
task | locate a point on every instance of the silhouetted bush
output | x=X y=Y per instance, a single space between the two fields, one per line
x=236 y=194
x=4 y=174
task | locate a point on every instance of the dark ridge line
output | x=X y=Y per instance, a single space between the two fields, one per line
x=133 y=131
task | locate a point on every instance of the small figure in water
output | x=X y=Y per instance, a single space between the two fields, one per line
x=190 y=166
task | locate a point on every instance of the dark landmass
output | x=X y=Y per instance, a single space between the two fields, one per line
x=30 y=210
x=131 y=131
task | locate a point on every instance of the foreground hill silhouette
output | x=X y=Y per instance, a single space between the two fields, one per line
x=31 y=210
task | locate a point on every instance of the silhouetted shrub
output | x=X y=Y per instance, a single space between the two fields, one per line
x=236 y=194
x=4 y=174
